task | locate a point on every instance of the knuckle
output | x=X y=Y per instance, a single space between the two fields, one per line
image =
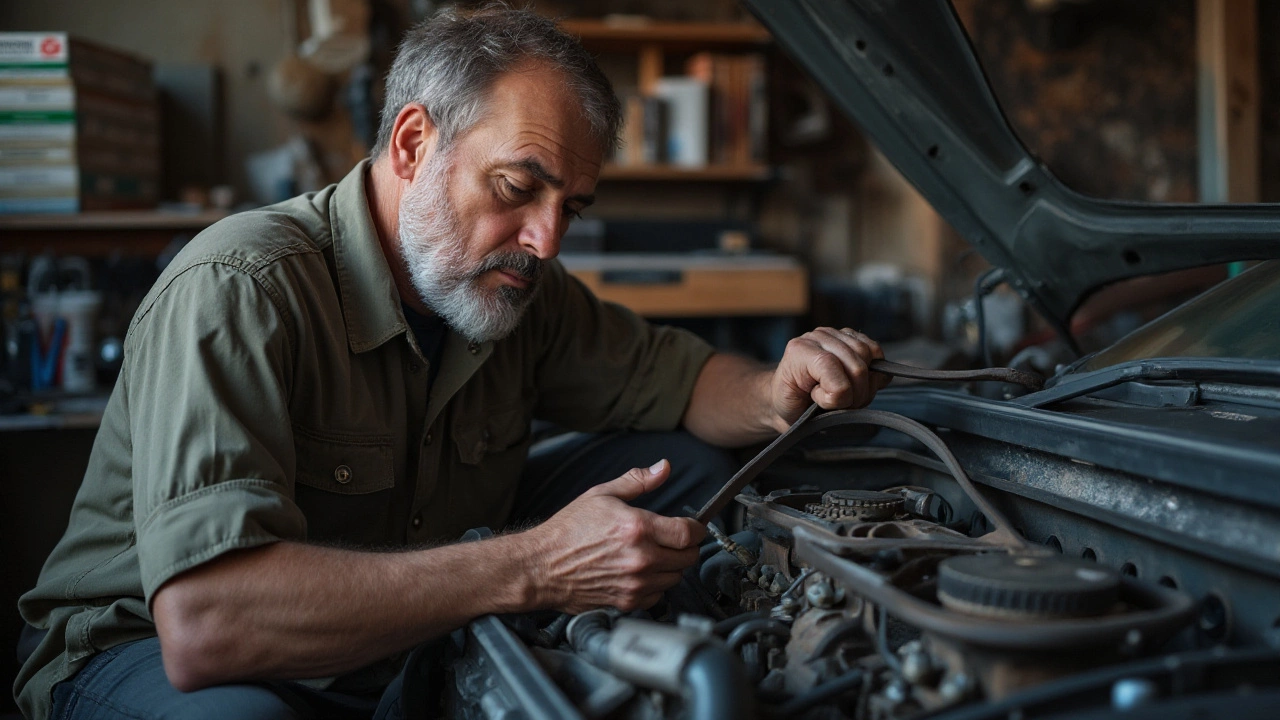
x=631 y=529
x=825 y=358
x=635 y=564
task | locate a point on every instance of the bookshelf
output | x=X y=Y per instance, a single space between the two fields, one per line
x=657 y=47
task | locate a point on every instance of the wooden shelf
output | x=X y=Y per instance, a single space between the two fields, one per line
x=113 y=220
x=133 y=232
x=670 y=35
x=709 y=173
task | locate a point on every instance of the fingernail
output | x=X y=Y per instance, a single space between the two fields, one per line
x=656 y=468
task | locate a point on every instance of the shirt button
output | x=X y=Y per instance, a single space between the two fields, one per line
x=474 y=348
x=342 y=474
x=415 y=368
x=427 y=441
x=417 y=521
x=485 y=434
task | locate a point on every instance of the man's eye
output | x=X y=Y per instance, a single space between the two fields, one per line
x=573 y=214
x=515 y=190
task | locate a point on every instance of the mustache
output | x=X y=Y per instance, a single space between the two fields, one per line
x=523 y=264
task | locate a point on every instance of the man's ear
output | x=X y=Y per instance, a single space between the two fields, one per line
x=413 y=141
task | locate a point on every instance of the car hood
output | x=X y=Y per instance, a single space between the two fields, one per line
x=906 y=73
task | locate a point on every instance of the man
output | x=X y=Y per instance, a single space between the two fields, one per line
x=310 y=386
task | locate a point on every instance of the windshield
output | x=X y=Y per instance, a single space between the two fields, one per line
x=1239 y=318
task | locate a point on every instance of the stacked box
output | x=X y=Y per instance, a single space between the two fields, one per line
x=79 y=126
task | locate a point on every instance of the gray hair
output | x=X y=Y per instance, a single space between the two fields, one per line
x=450 y=61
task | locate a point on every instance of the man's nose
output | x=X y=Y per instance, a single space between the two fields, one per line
x=540 y=234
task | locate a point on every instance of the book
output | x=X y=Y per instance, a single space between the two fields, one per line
x=36 y=152
x=34 y=55
x=42 y=96
x=739 y=105
x=79 y=121
x=654 y=139
x=688 y=109
x=631 y=149
x=23 y=178
x=43 y=205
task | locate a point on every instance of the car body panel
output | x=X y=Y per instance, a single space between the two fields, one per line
x=906 y=74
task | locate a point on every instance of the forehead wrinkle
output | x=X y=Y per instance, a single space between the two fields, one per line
x=536 y=169
x=549 y=138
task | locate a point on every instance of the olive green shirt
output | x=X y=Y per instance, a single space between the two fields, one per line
x=272 y=390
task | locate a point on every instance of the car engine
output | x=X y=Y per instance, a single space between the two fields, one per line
x=872 y=579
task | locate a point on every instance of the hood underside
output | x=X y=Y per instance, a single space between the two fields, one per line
x=906 y=73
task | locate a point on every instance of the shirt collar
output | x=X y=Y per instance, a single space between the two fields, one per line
x=370 y=302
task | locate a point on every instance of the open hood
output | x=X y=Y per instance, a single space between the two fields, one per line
x=905 y=72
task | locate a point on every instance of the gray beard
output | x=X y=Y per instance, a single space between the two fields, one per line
x=434 y=250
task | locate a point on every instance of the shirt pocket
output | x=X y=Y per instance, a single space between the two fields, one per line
x=343 y=486
x=490 y=434
x=344 y=463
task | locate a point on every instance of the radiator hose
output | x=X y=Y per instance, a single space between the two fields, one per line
x=665 y=657
x=715 y=687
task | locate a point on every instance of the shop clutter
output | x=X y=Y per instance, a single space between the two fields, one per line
x=62 y=332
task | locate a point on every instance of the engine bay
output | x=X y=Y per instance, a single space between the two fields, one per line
x=876 y=581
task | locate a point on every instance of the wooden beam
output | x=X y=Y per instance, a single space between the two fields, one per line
x=1228 y=97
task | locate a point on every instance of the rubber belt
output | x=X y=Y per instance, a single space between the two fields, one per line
x=1029 y=380
x=783 y=442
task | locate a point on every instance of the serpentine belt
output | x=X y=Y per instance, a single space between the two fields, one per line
x=872 y=417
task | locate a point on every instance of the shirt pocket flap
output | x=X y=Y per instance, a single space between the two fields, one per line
x=490 y=433
x=344 y=463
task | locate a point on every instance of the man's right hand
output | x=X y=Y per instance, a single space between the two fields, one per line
x=599 y=551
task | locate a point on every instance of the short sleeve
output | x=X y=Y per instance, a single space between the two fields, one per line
x=207 y=377
x=602 y=367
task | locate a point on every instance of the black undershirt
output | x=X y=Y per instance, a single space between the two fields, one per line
x=429 y=331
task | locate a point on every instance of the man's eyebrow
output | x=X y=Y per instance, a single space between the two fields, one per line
x=535 y=168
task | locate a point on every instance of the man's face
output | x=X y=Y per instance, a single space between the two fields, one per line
x=482 y=215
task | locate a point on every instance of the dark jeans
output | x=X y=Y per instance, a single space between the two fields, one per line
x=128 y=681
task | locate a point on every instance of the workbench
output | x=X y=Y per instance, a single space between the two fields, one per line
x=692 y=285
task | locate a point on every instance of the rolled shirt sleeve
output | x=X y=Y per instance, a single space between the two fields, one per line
x=208 y=386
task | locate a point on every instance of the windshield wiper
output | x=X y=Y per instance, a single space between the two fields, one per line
x=1235 y=370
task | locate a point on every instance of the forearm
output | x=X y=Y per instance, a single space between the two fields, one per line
x=731 y=405
x=295 y=611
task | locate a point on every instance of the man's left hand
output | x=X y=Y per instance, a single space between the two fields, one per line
x=828 y=367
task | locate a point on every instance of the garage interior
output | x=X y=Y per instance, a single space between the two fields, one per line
x=788 y=219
